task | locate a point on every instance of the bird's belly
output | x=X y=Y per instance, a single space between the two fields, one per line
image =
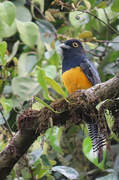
x=75 y=79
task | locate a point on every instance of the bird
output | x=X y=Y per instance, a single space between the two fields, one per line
x=79 y=73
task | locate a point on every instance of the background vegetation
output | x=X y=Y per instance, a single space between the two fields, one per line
x=30 y=65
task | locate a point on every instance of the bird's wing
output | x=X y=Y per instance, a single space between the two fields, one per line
x=90 y=71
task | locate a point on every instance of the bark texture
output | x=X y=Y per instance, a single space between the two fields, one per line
x=79 y=107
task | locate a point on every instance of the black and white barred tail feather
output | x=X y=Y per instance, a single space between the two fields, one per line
x=98 y=140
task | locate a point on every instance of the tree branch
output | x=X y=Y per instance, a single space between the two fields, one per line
x=80 y=106
x=108 y=25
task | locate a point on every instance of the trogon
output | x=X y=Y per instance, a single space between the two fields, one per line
x=78 y=72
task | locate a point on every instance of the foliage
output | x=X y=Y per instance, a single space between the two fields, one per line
x=30 y=65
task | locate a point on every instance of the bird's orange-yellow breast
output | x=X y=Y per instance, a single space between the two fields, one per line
x=74 y=79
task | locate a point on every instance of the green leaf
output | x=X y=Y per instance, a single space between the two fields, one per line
x=54 y=135
x=7 y=104
x=35 y=155
x=37 y=106
x=14 y=51
x=114 y=136
x=49 y=177
x=92 y=156
x=47 y=30
x=113 y=55
x=25 y=87
x=55 y=86
x=115 y=43
x=45 y=160
x=98 y=106
x=40 y=49
x=55 y=59
x=2 y=29
x=45 y=104
x=109 y=119
x=69 y=172
x=42 y=173
x=28 y=32
x=1 y=86
x=2 y=143
x=102 y=4
x=3 y=49
x=41 y=77
x=26 y=64
x=6 y=30
x=86 y=35
x=78 y=18
x=93 y=3
x=111 y=68
x=87 y=4
x=23 y=14
x=111 y=176
x=7 y=12
x=25 y=173
x=111 y=14
x=115 y=6
x=50 y=71
x=40 y=3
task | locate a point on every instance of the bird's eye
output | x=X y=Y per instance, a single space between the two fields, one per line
x=75 y=45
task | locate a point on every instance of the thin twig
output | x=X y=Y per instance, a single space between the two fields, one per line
x=7 y=124
x=59 y=2
x=108 y=25
x=107 y=33
x=106 y=16
x=62 y=4
x=90 y=52
x=100 y=41
x=93 y=40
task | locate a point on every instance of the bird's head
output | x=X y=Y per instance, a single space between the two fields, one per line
x=72 y=46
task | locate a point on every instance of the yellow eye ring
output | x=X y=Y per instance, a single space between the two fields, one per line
x=74 y=44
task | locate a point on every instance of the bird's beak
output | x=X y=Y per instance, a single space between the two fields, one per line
x=64 y=46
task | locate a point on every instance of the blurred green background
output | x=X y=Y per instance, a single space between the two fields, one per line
x=30 y=65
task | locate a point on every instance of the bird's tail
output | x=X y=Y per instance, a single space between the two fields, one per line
x=98 y=140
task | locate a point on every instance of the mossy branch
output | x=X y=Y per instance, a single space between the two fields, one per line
x=31 y=123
